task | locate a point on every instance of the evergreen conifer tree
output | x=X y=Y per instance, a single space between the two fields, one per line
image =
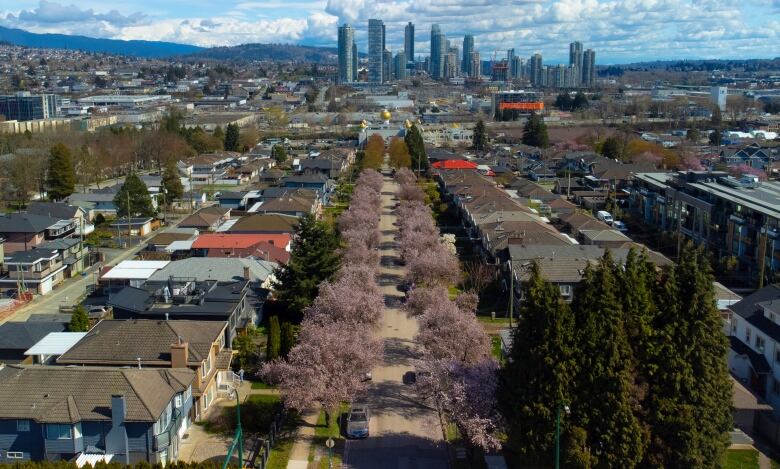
x=274 y=339
x=171 y=182
x=691 y=391
x=60 y=177
x=414 y=142
x=313 y=259
x=133 y=199
x=288 y=338
x=535 y=132
x=480 y=137
x=538 y=376
x=79 y=321
x=604 y=385
x=232 y=138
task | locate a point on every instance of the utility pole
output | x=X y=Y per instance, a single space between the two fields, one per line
x=511 y=293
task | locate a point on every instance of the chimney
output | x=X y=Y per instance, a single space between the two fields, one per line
x=247 y=275
x=118 y=409
x=179 y=354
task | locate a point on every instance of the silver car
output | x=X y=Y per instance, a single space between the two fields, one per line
x=357 y=421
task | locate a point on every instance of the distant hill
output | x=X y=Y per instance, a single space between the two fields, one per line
x=276 y=52
x=149 y=49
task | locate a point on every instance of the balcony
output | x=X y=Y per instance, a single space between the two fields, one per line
x=163 y=440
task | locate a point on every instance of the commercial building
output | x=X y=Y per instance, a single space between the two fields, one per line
x=475 y=65
x=354 y=61
x=535 y=70
x=399 y=66
x=346 y=41
x=737 y=220
x=438 y=51
x=468 y=49
x=589 y=68
x=387 y=65
x=409 y=41
x=376 y=50
x=24 y=106
x=507 y=105
x=575 y=59
x=510 y=57
x=718 y=95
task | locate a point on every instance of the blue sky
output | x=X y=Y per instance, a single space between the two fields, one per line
x=619 y=30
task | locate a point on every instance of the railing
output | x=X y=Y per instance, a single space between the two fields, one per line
x=228 y=381
x=260 y=448
x=163 y=440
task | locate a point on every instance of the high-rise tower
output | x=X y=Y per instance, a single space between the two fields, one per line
x=575 y=56
x=438 y=51
x=409 y=42
x=346 y=41
x=468 y=48
x=589 y=68
x=376 y=50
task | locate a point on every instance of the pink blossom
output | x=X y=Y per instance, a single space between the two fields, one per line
x=353 y=297
x=420 y=299
x=446 y=332
x=433 y=266
x=744 y=169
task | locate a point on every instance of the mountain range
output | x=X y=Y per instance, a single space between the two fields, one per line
x=161 y=49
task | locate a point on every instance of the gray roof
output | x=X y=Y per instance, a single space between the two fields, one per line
x=23 y=335
x=26 y=223
x=58 y=394
x=53 y=209
x=59 y=244
x=122 y=342
x=28 y=257
x=215 y=268
x=91 y=197
x=751 y=308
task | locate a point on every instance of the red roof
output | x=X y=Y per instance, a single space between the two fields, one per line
x=239 y=241
x=454 y=164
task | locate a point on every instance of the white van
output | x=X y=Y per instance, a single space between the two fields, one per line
x=604 y=216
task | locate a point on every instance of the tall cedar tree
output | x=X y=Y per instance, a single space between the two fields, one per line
x=232 y=138
x=314 y=258
x=133 y=199
x=611 y=148
x=274 y=346
x=414 y=142
x=61 y=177
x=539 y=373
x=604 y=385
x=691 y=392
x=288 y=338
x=638 y=284
x=480 y=137
x=279 y=154
x=535 y=132
x=171 y=182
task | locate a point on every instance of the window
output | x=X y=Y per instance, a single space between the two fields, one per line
x=565 y=290
x=56 y=431
x=22 y=425
x=178 y=401
x=188 y=394
x=747 y=335
x=205 y=369
x=759 y=342
x=14 y=455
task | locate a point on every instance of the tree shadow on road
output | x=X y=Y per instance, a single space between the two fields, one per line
x=400 y=351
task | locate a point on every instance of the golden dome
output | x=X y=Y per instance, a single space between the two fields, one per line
x=408 y=124
x=385 y=115
x=363 y=124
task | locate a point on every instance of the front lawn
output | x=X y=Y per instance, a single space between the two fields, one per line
x=322 y=432
x=741 y=459
x=257 y=413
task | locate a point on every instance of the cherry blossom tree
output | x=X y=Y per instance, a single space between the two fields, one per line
x=744 y=169
x=410 y=192
x=446 y=332
x=467 y=395
x=327 y=365
x=353 y=298
x=405 y=176
x=420 y=299
x=433 y=266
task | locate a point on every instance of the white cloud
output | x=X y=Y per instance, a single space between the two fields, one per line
x=619 y=30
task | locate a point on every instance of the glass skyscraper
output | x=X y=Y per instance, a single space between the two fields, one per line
x=438 y=51
x=409 y=42
x=346 y=62
x=468 y=48
x=376 y=50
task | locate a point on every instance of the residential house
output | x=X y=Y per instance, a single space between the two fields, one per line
x=133 y=226
x=36 y=270
x=73 y=253
x=209 y=168
x=64 y=211
x=129 y=273
x=23 y=231
x=264 y=223
x=206 y=219
x=233 y=200
x=231 y=290
x=753 y=155
x=269 y=247
x=93 y=414
x=290 y=205
x=16 y=337
x=317 y=182
x=608 y=238
x=95 y=202
x=197 y=345
x=330 y=168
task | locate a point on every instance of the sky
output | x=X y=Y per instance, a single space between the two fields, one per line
x=620 y=31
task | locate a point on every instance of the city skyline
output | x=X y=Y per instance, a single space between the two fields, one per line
x=621 y=31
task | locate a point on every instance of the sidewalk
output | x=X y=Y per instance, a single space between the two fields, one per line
x=304 y=437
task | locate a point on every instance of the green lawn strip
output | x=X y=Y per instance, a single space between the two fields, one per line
x=495 y=348
x=323 y=432
x=280 y=452
x=261 y=385
x=257 y=413
x=741 y=459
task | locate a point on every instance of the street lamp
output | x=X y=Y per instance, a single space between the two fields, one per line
x=558 y=408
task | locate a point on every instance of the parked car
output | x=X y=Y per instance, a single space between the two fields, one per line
x=604 y=216
x=620 y=226
x=357 y=421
